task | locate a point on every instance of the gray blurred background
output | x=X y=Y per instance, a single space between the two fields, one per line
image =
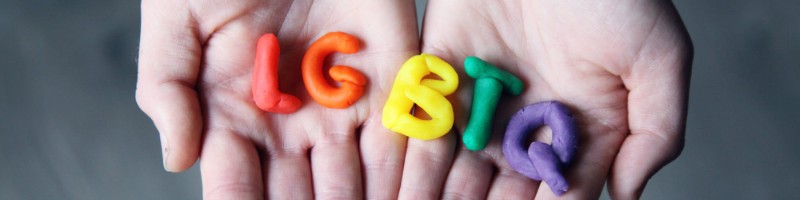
x=70 y=128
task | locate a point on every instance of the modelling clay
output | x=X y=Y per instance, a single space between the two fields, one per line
x=490 y=81
x=542 y=161
x=265 y=79
x=351 y=81
x=411 y=86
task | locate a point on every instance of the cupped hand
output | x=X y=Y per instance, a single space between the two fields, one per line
x=622 y=67
x=195 y=65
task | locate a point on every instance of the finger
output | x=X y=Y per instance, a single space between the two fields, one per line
x=335 y=166
x=169 y=58
x=426 y=167
x=230 y=168
x=288 y=175
x=469 y=178
x=587 y=173
x=642 y=155
x=382 y=153
x=656 y=109
x=508 y=184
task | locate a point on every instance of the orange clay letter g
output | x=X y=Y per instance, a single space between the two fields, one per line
x=352 y=81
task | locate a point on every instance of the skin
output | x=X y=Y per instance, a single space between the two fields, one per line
x=195 y=69
x=622 y=67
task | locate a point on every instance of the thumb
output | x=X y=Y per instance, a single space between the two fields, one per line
x=169 y=58
x=658 y=86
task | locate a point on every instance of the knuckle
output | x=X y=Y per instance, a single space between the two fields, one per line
x=141 y=98
x=231 y=189
x=337 y=192
x=382 y=163
x=456 y=195
x=677 y=149
x=412 y=192
x=337 y=138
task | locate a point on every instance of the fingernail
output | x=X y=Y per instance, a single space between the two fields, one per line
x=164 y=151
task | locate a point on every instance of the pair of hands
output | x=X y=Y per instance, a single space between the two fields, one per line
x=622 y=67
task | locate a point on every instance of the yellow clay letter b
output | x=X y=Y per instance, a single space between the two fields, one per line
x=411 y=86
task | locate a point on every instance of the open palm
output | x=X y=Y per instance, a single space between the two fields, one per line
x=621 y=66
x=195 y=70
